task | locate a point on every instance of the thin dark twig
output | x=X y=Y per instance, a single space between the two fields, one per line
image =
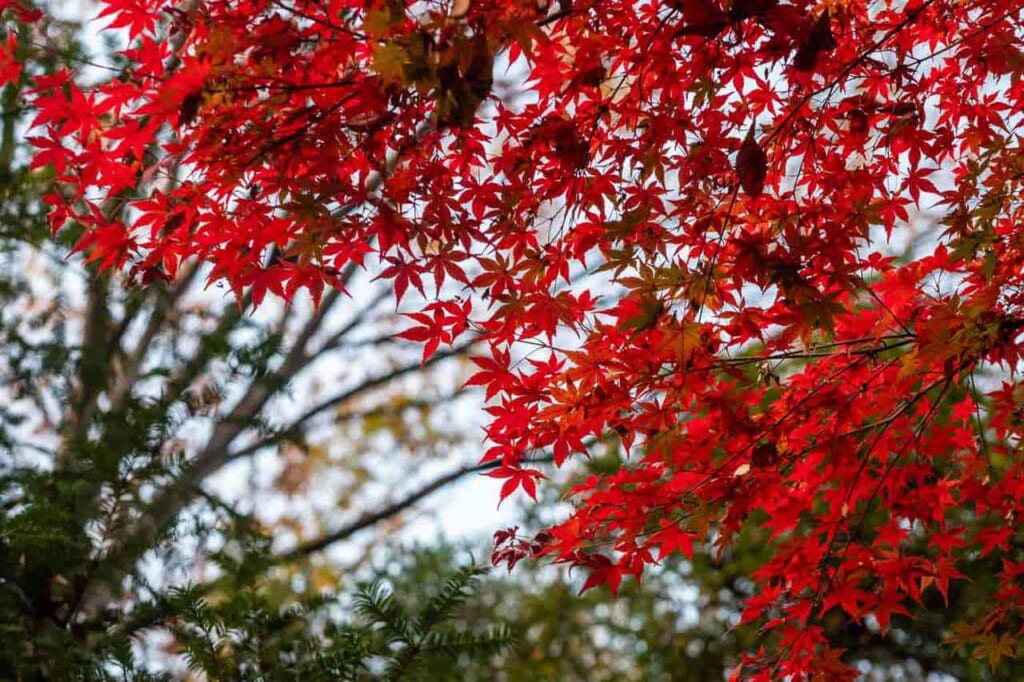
x=372 y=518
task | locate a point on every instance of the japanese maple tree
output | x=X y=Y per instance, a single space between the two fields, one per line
x=774 y=247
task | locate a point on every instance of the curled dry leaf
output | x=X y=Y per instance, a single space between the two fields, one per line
x=819 y=40
x=751 y=165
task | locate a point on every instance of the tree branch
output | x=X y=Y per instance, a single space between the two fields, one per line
x=91 y=372
x=372 y=518
x=140 y=536
x=296 y=426
x=164 y=301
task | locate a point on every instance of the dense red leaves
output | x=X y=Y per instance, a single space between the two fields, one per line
x=679 y=235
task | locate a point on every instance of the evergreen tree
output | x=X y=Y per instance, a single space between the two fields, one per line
x=125 y=549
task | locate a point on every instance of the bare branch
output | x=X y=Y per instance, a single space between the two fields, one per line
x=296 y=426
x=140 y=536
x=372 y=518
x=164 y=301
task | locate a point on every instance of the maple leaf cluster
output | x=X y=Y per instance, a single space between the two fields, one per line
x=773 y=247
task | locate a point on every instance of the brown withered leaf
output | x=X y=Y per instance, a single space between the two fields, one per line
x=651 y=308
x=743 y=9
x=466 y=78
x=702 y=18
x=751 y=165
x=858 y=121
x=819 y=40
x=189 y=108
x=765 y=455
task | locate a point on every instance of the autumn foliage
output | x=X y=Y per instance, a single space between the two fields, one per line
x=773 y=247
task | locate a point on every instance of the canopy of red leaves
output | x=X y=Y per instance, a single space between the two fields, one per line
x=767 y=244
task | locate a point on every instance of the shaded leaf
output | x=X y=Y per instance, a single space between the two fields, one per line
x=751 y=165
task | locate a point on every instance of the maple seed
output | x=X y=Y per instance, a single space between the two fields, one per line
x=751 y=165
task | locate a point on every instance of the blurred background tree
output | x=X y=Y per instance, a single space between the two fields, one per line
x=167 y=450
x=189 y=486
